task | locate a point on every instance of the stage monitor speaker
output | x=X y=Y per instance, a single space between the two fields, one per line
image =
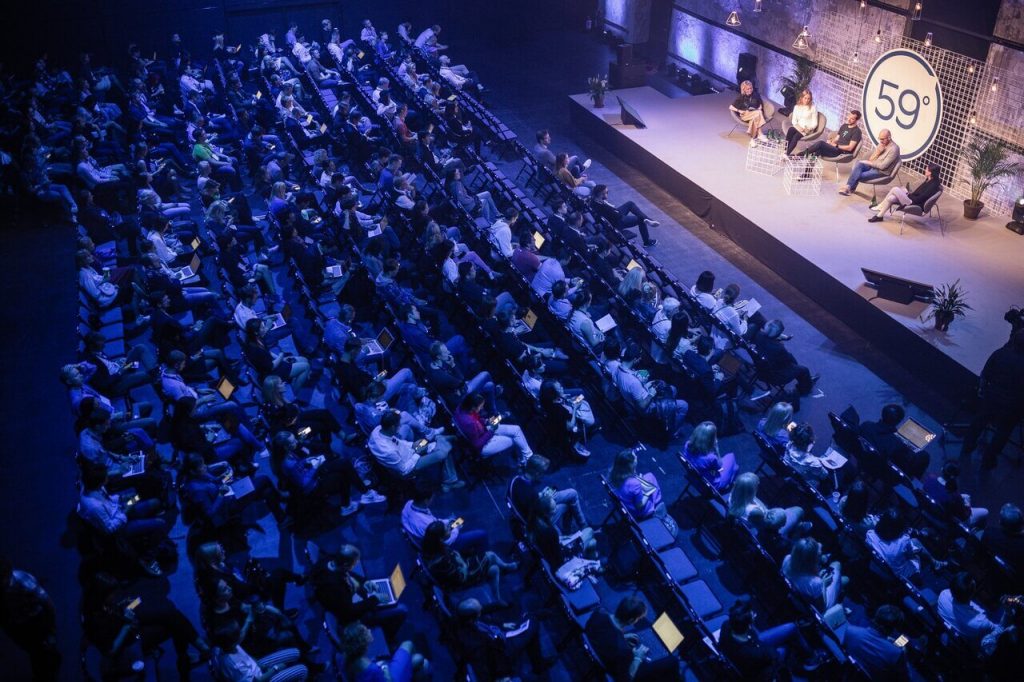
x=624 y=54
x=897 y=289
x=746 y=68
x=629 y=115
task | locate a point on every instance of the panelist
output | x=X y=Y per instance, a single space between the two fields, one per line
x=900 y=197
x=750 y=109
x=804 y=119
x=880 y=164
x=843 y=141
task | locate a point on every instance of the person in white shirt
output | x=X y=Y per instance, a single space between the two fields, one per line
x=798 y=454
x=383 y=84
x=301 y=51
x=580 y=322
x=98 y=287
x=957 y=608
x=369 y=34
x=726 y=313
x=234 y=664
x=642 y=394
x=404 y=31
x=416 y=516
x=403 y=456
x=500 y=233
x=427 y=40
x=804 y=119
x=702 y=290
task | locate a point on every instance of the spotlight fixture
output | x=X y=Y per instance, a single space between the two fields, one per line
x=733 y=19
x=757 y=5
x=995 y=84
x=916 y=16
x=1017 y=224
x=928 y=39
x=863 y=4
x=803 y=40
x=878 y=36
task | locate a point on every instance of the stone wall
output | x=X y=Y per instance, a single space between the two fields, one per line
x=628 y=19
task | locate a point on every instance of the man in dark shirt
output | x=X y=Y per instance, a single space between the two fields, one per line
x=622 y=217
x=882 y=435
x=1002 y=400
x=777 y=364
x=843 y=141
x=874 y=648
x=622 y=655
x=1007 y=539
x=902 y=198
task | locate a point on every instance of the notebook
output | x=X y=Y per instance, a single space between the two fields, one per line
x=334 y=271
x=225 y=388
x=189 y=270
x=241 y=487
x=278 y=320
x=832 y=459
x=137 y=466
x=387 y=590
x=914 y=434
x=632 y=264
x=380 y=344
x=538 y=240
x=748 y=307
x=195 y=240
x=663 y=638
x=606 y=324
x=525 y=324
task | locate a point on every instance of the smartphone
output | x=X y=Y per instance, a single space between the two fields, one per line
x=495 y=420
x=457 y=523
x=231 y=199
x=901 y=641
x=305 y=431
x=132 y=501
x=578 y=399
x=381 y=375
x=258 y=95
x=421 y=443
x=134 y=604
x=790 y=426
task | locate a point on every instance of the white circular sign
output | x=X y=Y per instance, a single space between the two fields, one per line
x=902 y=93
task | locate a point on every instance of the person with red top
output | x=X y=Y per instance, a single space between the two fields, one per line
x=489 y=436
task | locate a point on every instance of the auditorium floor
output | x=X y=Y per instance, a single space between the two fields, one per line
x=528 y=83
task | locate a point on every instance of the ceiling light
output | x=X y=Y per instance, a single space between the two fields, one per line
x=733 y=19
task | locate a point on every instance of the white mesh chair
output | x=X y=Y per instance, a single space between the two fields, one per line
x=932 y=204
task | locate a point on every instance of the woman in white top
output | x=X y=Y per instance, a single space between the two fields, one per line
x=580 y=322
x=804 y=119
x=743 y=500
x=727 y=314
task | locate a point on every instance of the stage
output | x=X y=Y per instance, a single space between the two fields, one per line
x=819 y=243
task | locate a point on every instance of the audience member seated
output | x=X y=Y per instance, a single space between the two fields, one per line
x=640 y=493
x=403 y=666
x=743 y=501
x=624 y=216
x=882 y=435
x=488 y=435
x=1007 y=539
x=701 y=450
x=892 y=540
x=404 y=457
x=776 y=426
x=416 y=516
x=452 y=570
x=822 y=588
x=339 y=589
x=944 y=488
x=873 y=645
x=622 y=654
x=957 y=607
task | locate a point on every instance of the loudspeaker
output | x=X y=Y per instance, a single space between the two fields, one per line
x=746 y=68
x=624 y=54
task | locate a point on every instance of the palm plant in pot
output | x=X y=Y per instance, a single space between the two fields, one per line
x=796 y=82
x=949 y=302
x=598 y=87
x=987 y=162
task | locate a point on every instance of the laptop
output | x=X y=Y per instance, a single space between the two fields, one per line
x=225 y=388
x=189 y=270
x=137 y=466
x=914 y=434
x=387 y=590
x=663 y=638
x=334 y=271
x=730 y=365
x=525 y=324
x=606 y=324
x=380 y=344
x=538 y=240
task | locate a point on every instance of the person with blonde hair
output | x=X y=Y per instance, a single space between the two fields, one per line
x=802 y=567
x=750 y=109
x=775 y=426
x=701 y=450
x=640 y=493
x=804 y=120
x=743 y=500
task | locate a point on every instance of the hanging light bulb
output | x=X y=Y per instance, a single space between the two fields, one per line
x=878 y=36
x=974 y=118
x=995 y=83
x=928 y=39
x=733 y=19
x=970 y=68
x=757 y=5
x=916 y=16
x=863 y=4
x=803 y=40
x=856 y=58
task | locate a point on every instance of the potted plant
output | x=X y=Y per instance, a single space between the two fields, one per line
x=796 y=82
x=949 y=302
x=598 y=87
x=986 y=163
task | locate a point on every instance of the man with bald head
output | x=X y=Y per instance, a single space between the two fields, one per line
x=880 y=164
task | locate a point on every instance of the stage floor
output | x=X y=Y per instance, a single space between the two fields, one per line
x=691 y=136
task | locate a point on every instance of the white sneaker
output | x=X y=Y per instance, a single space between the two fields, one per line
x=586 y=164
x=762 y=137
x=753 y=142
x=352 y=508
x=580 y=450
x=371 y=496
